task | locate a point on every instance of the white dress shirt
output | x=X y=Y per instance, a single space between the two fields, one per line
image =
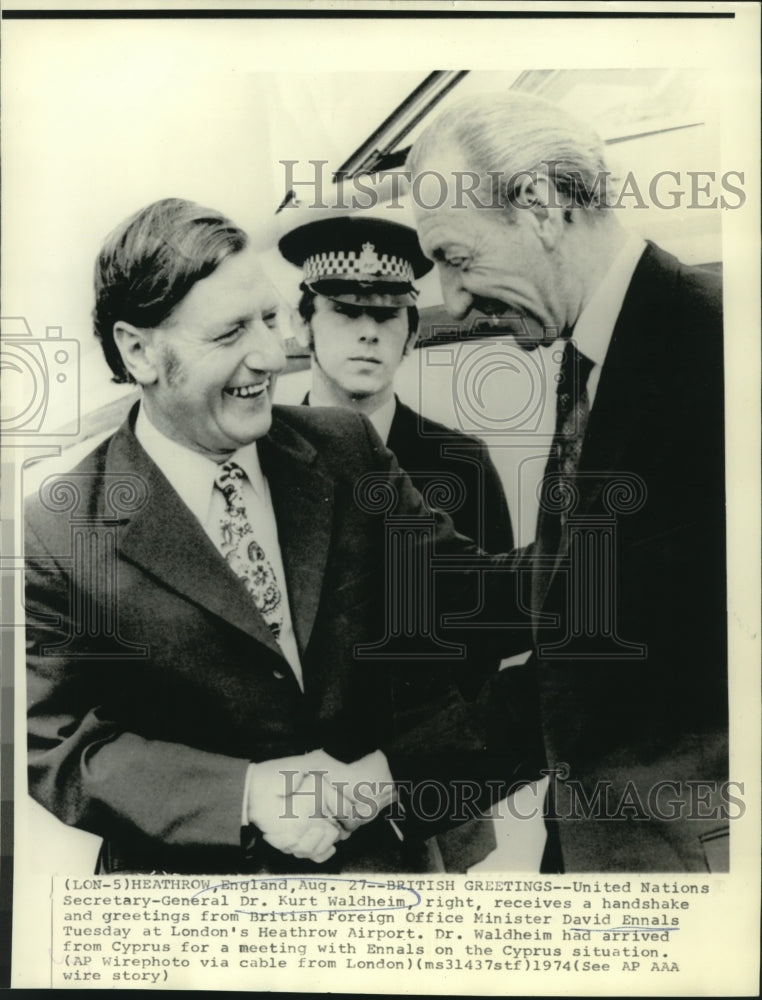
x=192 y=476
x=593 y=330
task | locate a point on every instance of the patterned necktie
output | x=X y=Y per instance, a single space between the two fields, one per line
x=244 y=555
x=572 y=415
x=573 y=410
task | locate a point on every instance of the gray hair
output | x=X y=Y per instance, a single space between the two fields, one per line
x=506 y=135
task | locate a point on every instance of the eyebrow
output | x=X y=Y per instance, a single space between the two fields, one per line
x=225 y=324
x=242 y=319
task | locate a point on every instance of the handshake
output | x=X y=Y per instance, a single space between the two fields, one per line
x=304 y=805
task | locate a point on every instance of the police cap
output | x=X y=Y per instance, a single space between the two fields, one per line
x=357 y=259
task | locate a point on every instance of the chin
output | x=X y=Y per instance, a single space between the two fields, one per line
x=256 y=429
x=361 y=391
x=533 y=336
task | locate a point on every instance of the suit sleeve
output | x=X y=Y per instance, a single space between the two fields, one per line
x=436 y=750
x=82 y=766
x=464 y=575
x=493 y=531
x=498 y=529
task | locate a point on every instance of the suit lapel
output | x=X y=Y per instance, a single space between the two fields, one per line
x=303 y=500
x=167 y=541
x=633 y=376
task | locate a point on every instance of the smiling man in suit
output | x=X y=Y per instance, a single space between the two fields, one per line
x=197 y=588
x=627 y=569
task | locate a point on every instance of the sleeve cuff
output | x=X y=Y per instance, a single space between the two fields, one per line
x=250 y=834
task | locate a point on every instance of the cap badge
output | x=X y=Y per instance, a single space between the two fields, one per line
x=368 y=260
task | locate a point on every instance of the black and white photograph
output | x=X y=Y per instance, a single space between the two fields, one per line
x=381 y=498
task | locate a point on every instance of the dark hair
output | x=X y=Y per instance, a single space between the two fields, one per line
x=307 y=310
x=150 y=262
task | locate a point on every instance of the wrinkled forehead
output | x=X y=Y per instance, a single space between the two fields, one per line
x=443 y=228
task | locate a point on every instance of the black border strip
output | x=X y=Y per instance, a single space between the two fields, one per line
x=362 y=15
x=9 y=580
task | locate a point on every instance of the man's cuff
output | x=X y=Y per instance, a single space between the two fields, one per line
x=251 y=835
x=245 y=802
x=251 y=838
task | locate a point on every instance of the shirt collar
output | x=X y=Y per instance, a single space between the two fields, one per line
x=248 y=458
x=595 y=326
x=186 y=470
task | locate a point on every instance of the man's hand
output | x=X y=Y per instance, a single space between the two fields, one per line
x=356 y=793
x=291 y=822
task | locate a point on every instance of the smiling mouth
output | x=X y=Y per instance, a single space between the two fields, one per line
x=248 y=391
x=498 y=317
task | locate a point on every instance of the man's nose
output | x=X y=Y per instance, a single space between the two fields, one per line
x=367 y=329
x=265 y=349
x=457 y=301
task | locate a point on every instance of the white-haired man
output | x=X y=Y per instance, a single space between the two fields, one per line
x=627 y=570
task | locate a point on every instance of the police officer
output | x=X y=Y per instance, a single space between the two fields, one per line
x=358 y=308
x=360 y=322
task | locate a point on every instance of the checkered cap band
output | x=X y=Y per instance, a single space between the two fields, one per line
x=348 y=264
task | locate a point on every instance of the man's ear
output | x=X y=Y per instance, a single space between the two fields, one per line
x=535 y=195
x=137 y=349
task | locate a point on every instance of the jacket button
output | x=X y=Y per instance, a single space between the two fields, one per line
x=279 y=675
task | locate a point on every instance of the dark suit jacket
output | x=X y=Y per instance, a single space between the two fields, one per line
x=433 y=454
x=651 y=467
x=453 y=471
x=153 y=680
x=430 y=452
